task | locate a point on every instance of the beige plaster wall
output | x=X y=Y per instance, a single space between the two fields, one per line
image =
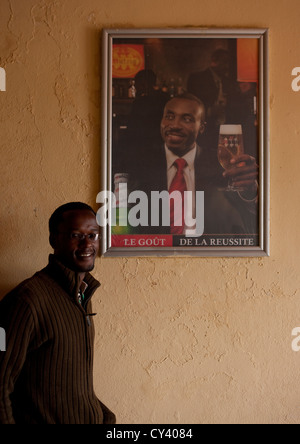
x=178 y=340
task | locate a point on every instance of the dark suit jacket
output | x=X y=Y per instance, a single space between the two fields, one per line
x=224 y=212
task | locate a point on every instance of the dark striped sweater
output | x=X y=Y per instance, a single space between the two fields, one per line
x=46 y=372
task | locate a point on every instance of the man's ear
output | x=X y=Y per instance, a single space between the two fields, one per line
x=202 y=128
x=52 y=240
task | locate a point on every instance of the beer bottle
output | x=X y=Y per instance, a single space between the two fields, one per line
x=121 y=193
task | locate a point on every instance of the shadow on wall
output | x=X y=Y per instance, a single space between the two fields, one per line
x=23 y=250
x=93 y=62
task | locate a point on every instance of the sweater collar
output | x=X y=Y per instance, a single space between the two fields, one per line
x=69 y=279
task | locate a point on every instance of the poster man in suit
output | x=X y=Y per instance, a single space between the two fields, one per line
x=180 y=155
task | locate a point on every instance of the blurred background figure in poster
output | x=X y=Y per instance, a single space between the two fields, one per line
x=227 y=101
x=214 y=87
x=143 y=130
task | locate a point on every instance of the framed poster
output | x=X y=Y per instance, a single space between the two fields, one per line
x=185 y=162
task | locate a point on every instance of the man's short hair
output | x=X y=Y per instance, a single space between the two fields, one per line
x=57 y=216
x=146 y=77
x=189 y=96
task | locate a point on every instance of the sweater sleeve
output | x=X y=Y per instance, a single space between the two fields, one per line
x=108 y=416
x=18 y=323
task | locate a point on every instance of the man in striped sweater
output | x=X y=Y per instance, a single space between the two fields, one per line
x=46 y=372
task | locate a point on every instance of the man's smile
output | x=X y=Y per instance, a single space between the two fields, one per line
x=85 y=254
x=175 y=136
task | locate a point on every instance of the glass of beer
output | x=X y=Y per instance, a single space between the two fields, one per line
x=230 y=145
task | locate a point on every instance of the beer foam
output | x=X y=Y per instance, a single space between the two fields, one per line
x=231 y=129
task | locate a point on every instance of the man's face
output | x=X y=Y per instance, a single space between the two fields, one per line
x=181 y=124
x=75 y=253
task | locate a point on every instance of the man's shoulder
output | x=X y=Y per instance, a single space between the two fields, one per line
x=27 y=290
x=147 y=167
x=21 y=299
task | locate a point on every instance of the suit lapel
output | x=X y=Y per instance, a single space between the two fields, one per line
x=157 y=174
x=200 y=170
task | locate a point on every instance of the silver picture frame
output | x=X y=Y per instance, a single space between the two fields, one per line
x=207 y=39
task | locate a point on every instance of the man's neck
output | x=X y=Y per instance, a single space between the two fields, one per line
x=181 y=153
x=81 y=277
x=81 y=274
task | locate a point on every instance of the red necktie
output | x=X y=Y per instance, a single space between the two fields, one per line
x=178 y=184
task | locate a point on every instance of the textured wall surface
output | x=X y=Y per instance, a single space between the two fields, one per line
x=178 y=340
